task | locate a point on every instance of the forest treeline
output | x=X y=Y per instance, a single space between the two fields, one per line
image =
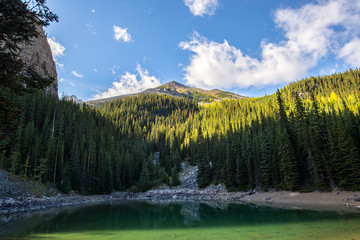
x=304 y=137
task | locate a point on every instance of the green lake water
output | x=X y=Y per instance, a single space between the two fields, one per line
x=180 y=220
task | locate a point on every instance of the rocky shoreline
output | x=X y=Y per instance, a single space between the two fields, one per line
x=332 y=200
x=30 y=203
x=21 y=204
x=211 y=193
x=18 y=196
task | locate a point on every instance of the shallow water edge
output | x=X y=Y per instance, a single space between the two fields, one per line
x=135 y=219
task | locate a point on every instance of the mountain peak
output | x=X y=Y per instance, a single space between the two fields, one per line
x=173 y=84
x=177 y=89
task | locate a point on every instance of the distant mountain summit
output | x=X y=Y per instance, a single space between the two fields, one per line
x=174 y=85
x=171 y=88
x=176 y=89
x=73 y=98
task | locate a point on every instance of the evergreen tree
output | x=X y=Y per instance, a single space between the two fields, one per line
x=299 y=142
x=18 y=26
x=288 y=164
x=144 y=177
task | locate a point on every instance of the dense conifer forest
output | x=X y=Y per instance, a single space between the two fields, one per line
x=304 y=137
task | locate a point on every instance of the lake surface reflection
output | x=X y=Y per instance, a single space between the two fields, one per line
x=180 y=220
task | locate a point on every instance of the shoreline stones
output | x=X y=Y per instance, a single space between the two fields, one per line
x=214 y=193
x=356 y=198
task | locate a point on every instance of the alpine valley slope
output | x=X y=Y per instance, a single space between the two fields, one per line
x=176 y=89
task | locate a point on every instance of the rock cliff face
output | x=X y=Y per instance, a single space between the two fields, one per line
x=38 y=54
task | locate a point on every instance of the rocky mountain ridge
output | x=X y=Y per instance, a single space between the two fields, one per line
x=176 y=89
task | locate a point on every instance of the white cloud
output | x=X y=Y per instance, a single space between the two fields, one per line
x=57 y=49
x=146 y=59
x=90 y=28
x=311 y=33
x=61 y=65
x=95 y=69
x=77 y=74
x=62 y=80
x=93 y=11
x=130 y=83
x=71 y=83
x=202 y=7
x=121 y=34
x=114 y=69
x=351 y=52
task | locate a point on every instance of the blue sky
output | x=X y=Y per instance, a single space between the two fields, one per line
x=251 y=47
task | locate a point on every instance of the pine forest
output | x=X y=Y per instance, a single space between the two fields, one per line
x=304 y=137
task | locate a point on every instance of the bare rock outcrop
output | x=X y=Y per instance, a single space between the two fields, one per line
x=188 y=177
x=38 y=54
